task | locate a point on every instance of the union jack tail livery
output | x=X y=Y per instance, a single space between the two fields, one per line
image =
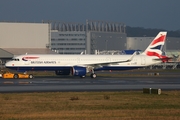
x=156 y=46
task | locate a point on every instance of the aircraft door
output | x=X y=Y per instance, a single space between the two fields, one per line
x=27 y=62
x=143 y=60
x=78 y=60
x=108 y=59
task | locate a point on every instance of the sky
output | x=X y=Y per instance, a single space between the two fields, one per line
x=160 y=14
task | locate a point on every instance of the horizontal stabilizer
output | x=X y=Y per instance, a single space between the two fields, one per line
x=163 y=59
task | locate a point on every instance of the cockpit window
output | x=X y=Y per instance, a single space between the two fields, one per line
x=15 y=59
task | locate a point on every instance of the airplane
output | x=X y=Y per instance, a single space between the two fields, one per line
x=80 y=65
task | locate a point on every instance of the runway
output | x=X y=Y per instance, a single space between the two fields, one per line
x=101 y=83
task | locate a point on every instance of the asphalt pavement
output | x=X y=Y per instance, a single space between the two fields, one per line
x=106 y=81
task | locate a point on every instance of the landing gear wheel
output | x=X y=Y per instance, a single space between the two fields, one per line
x=31 y=76
x=16 y=76
x=83 y=76
x=93 y=75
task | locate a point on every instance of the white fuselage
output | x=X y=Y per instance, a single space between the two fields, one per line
x=55 y=62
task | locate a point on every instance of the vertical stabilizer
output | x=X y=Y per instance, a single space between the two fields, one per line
x=156 y=46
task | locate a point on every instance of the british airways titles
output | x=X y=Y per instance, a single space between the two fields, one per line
x=43 y=62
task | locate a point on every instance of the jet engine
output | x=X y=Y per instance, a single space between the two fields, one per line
x=79 y=71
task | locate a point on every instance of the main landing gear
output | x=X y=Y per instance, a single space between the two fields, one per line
x=91 y=71
x=93 y=75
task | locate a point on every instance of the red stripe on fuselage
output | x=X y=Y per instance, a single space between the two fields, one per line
x=30 y=57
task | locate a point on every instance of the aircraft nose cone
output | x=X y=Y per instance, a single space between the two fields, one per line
x=8 y=64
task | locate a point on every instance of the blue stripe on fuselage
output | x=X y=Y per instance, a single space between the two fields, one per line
x=67 y=67
x=38 y=68
x=117 y=68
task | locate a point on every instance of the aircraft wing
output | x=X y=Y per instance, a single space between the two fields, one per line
x=107 y=63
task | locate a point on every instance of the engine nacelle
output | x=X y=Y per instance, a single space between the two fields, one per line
x=79 y=71
x=63 y=72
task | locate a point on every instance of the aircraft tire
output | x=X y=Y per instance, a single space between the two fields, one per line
x=16 y=76
x=93 y=75
x=83 y=76
x=31 y=76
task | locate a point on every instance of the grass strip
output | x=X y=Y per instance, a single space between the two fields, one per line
x=90 y=105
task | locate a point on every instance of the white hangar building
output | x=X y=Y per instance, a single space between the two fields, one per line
x=22 y=38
